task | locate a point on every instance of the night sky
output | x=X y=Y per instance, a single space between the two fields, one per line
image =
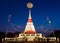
x=19 y=13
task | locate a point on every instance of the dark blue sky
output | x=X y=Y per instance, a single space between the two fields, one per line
x=40 y=11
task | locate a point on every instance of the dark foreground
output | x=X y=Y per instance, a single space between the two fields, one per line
x=29 y=42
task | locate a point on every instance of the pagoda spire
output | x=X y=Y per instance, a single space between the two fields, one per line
x=30 y=18
x=29 y=13
x=30 y=29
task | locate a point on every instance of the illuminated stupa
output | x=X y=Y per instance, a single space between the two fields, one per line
x=30 y=29
x=29 y=33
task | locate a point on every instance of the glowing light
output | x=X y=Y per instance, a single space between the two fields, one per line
x=49 y=22
x=29 y=5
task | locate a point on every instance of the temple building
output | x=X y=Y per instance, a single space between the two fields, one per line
x=30 y=32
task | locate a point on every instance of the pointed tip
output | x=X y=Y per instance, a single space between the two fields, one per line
x=30 y=18
x=30 y=14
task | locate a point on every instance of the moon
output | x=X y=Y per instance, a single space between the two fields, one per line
x=29 y=5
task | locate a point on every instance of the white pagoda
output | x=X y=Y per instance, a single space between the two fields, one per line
x=30 y=29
